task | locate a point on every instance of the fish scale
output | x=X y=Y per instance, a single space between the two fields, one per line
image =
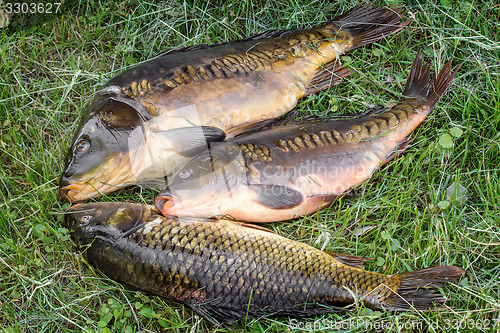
x=150 y=119
x=263 y=253
x=306 y=164
x=367 y=130
x=230 y=271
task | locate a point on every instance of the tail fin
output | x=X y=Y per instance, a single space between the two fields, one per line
x=413 y=289
x=420 y=85
x=368 y=24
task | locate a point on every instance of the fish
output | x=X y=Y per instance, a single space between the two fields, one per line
x=206 y=94
x=297 y=168
x=228 y=271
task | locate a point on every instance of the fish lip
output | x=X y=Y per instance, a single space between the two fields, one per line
x=74 y=208
x=164 y=202
x=68 y=192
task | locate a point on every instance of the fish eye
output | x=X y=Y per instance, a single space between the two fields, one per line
x=85 y=219
x=82 y=145
x=185 y=173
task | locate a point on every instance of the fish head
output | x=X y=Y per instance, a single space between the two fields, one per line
x=106 y=220
x=204 y=184
x=98 y=159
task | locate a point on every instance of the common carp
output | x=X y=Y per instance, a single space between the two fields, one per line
x=297 y=168
x=226 y=271
x=124 y=137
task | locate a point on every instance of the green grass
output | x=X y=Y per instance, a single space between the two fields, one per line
x=52 y=66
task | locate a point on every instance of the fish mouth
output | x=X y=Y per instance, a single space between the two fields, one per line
x=74 y=208
x=74 y=192
x=165 y=203
x=83 y=190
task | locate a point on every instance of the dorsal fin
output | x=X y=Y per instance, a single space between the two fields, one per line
x=263 y=35
x=249 y=59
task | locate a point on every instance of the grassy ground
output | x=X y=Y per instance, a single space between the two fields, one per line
x=51 y=66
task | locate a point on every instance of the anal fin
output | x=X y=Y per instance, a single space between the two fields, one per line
x=350 y=260
x=218 y=316
x=327 y=76
x=402 y=146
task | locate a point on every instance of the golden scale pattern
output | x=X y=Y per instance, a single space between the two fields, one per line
x=257 y=152
x=138 y=89
x=368 y=130
x=255 y=59
x=298 y=45
x=209 y=263
x=227 y=265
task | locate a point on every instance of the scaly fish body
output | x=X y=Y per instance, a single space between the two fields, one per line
x=231 y=87
x=295 y=169
x=225 y=270
x=228 y=84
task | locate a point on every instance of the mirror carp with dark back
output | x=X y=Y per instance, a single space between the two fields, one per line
x=228 y=271
x=294 y=169
x=149 y=120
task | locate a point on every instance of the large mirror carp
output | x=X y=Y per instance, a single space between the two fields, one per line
x=206 y=94
x=295 y=169
x=228 y=271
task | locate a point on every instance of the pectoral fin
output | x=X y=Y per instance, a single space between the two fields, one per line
x=189 y=141
x=277 y=196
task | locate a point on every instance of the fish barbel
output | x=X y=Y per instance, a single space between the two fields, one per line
x=226 y=271
x=295 y=169
x=206 y=94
